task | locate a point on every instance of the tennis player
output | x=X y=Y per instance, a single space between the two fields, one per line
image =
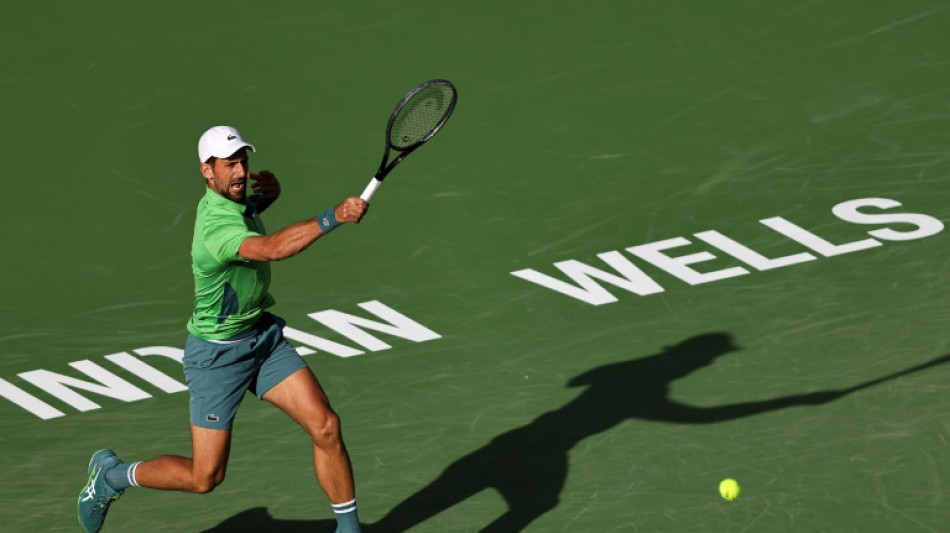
x=234 y=345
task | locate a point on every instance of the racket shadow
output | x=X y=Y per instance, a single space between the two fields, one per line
x=528 y=466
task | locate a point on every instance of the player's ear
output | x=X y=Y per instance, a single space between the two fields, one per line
x=206 y=170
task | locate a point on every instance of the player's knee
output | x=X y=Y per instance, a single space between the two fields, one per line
x=206 y=484
x=326 y=431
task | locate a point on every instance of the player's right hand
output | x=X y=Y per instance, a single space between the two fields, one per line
x=351 y=210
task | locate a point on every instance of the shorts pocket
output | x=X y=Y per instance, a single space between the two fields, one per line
x=199 y=354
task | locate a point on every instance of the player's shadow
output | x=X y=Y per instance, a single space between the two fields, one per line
x=528 y=465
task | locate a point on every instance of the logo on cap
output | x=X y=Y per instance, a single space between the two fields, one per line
x=232 y=137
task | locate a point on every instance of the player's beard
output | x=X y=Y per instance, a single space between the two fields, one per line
x=237 y=190
x=231 y=191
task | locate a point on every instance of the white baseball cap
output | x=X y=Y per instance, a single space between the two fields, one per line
x=220 y=141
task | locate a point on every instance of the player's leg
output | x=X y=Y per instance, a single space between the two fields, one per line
x=109 y=476
x=286 y=381
x=200 y=473
x=218 y=375
x=303 y=399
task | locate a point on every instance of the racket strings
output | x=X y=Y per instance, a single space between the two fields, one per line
x=422 y=114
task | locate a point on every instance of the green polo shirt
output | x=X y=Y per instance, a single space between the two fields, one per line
x=230 y=293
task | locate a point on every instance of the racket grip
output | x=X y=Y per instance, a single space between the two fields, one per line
x=370 y=189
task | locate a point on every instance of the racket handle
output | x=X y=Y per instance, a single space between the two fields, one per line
x=370 y=189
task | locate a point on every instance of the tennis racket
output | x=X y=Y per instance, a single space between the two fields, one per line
x=418 y=117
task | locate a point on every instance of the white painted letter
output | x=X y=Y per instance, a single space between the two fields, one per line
x=146 y=372
x=677 y=265
x=634 y=280
x=319 y=343
x=926 y=225
x=398 y=325
x=110 y=385
x=749 y=256
x=814 y=242
x=28 y=401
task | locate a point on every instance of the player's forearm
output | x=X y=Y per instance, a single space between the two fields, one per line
x=287 y=242
x=295 y=238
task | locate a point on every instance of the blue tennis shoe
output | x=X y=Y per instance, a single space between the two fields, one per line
x=97 y=495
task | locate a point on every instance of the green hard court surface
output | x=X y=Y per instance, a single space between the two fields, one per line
x=582 y=129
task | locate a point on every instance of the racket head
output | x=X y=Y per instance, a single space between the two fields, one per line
x=420 y=114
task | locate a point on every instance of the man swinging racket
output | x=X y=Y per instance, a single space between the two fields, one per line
x=234 y=345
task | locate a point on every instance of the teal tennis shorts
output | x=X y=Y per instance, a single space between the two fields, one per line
x=219 y=373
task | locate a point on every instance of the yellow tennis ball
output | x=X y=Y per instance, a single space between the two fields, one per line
x=729 y=489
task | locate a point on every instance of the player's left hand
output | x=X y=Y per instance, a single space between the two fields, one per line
x=265 y=185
